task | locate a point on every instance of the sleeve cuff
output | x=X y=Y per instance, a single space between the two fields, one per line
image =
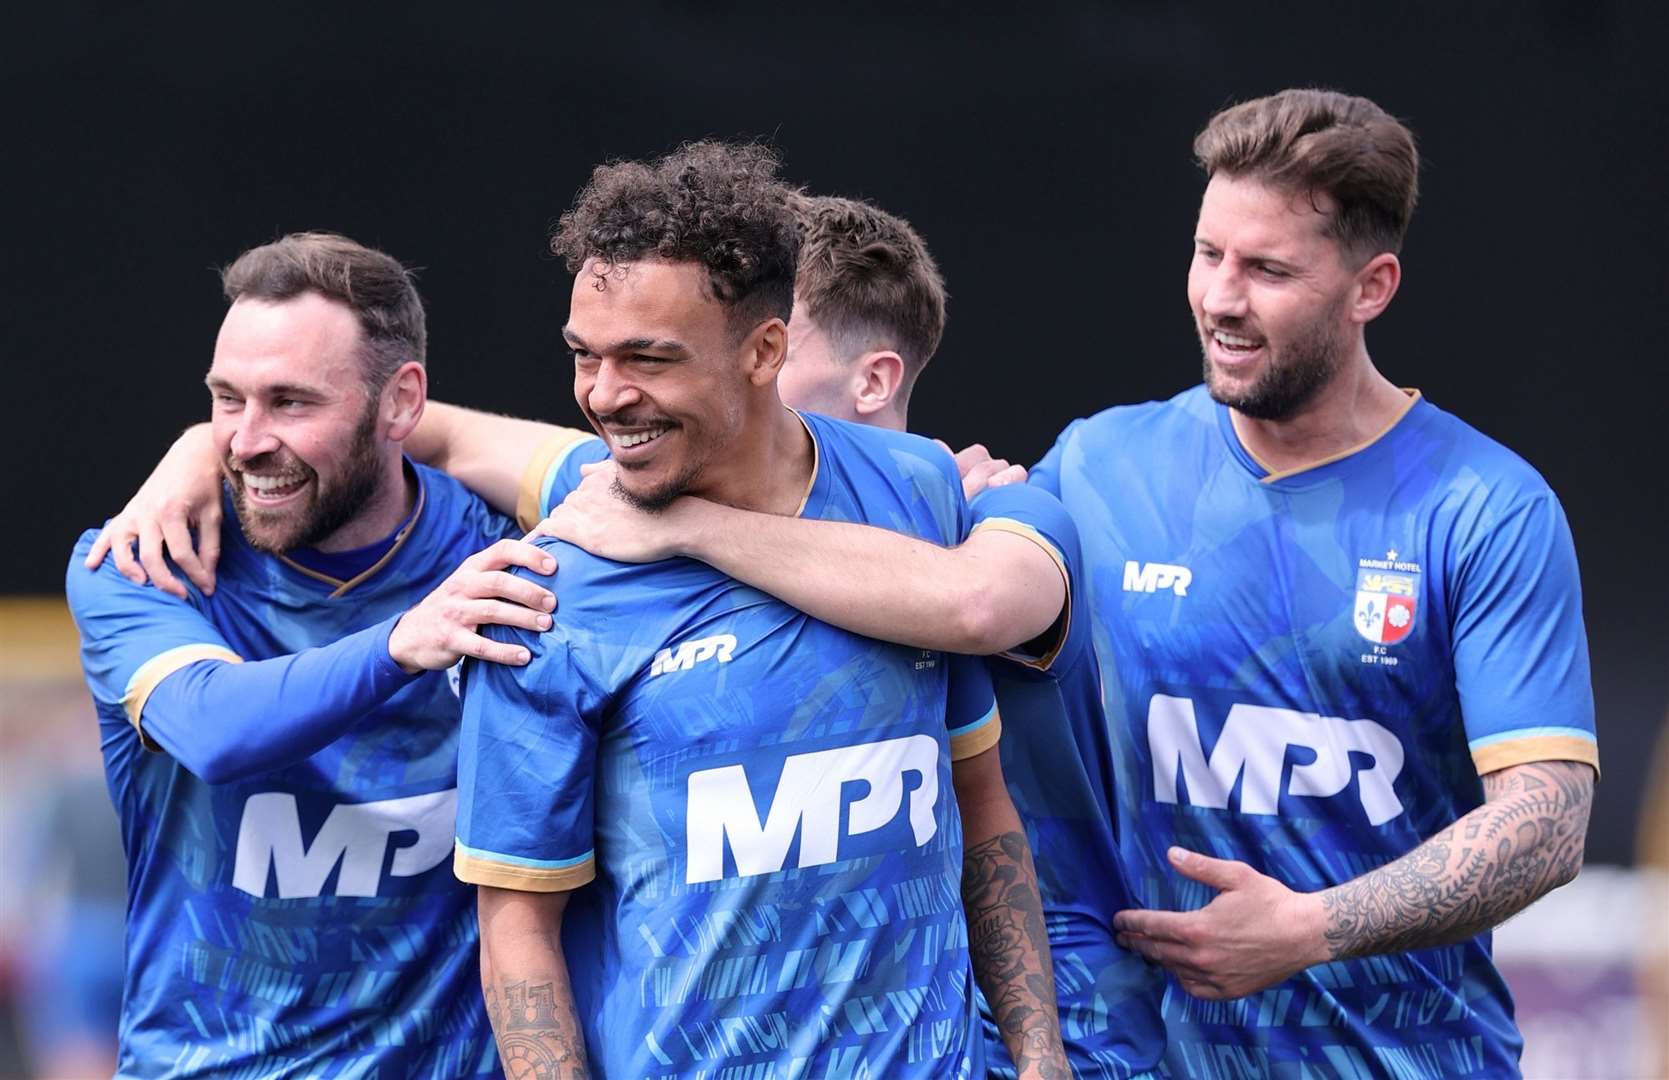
x=159 y=667
x=1496 y=752
x=478 y=867
x=973 y=739
x=530 y=499
x=1063 y=624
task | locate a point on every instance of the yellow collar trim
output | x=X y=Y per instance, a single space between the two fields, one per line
x=342 y=588
x=1413 y=398
x=816 y=461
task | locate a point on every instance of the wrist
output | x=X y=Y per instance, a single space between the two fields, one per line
x=1311 y=926
x=698 y=532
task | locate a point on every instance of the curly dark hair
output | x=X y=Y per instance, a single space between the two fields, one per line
x=714 y=203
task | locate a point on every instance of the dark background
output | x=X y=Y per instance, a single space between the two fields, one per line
x=1044 y=156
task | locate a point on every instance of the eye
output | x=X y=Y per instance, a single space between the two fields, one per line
x=1210 y=255
x=1273 y=273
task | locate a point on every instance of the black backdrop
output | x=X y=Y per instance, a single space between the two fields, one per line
x=1043 y=155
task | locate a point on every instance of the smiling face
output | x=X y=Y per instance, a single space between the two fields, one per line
x=296 y=433
x=660 y=375
x=1271 y=295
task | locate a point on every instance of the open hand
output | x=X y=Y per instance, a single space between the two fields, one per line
x=443 y=627
x=182 y=493
x=597 y=518
x=1254 y=933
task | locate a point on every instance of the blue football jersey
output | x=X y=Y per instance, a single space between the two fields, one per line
x=1058 y=761
x=303 y=921
x=1308 y=671
x=758 y=805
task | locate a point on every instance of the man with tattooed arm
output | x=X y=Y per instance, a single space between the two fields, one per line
x=1341 y=639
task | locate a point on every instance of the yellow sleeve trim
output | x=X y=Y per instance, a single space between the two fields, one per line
x=479 y=871
x=159 y=667
x=529 y=512
x=977 y=741
x=1008 y=525
x=1506 y=754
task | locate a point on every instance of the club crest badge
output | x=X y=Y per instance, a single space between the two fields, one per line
x=1387 y=597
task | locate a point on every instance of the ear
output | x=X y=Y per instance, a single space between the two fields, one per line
x=403 y=397
x=877 y=378
x=1376 y=284
x=765 y=350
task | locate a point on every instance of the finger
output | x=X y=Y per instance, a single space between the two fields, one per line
x=156 y=565
x=497 y=612
x=1218 y=873
x=519 y=553
x=208 y=545
x=1160 y=925
x=592 y=467
x=1176 y=958
x=974 y=479
x=100 y=548
x=1201 y=989
x=497 y=652
x=1014 y=474
x=496 y=584
x=177 y=537
x=127 y=564
x=969 y=456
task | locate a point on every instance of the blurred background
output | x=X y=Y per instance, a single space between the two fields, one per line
x=1043 y=155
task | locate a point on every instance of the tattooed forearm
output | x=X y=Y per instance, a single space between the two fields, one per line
x=1524 y=841
x=1010 y=949
x=538 y=1038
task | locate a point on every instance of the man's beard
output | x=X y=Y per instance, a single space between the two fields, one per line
x=1290 y=378
x=330 y=507
x=660 y=498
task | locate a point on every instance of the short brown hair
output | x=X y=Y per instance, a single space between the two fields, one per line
x=1320 y=141
x=869 y=281
x=716 y=204
x=380 y=292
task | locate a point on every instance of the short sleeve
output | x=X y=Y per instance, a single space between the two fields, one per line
x=1521 y=651
x=526 y=768
x=970 y=707
x=1036 y=515
x=134 y=636
x=553 y=471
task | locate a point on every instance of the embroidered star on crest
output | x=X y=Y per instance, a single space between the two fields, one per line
x=1391 y=555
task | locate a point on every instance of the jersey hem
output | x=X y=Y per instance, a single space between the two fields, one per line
x=159 y=667
x=1020 y=528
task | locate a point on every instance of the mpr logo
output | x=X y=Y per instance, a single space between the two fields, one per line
x=1153 y=576
x=688 y=654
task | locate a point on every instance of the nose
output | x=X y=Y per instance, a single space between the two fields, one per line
x=253 y=435
x=611 y=390
x=1225 y=293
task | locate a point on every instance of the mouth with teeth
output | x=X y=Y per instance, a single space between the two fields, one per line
x=1230 y=348
x=637 y=443
x=272 y=487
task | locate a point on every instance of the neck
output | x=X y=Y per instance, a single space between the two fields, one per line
x=382 y=513
x=769 y=467
x=1354 y=407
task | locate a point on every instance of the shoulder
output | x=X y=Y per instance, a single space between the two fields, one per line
x=1192 y=409
x=452 y=511
x=855 y=449
x=105 y=591
x=1472 y=459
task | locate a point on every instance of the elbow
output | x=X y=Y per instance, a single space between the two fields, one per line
x=220 y=764
x=982 y=626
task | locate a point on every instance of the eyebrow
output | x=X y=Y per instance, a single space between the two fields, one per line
x=637 y=344
x=215 y=382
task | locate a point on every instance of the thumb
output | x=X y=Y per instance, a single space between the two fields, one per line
x=1221 y=874
x=590 y=467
